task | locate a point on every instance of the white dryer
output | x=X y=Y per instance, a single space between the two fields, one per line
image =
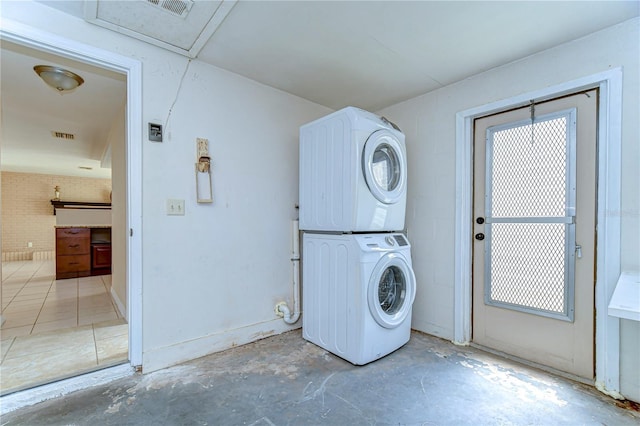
x=358 y=290
x=353 y=173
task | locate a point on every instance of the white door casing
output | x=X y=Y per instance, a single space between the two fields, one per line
x=530 y=209
x=36 y=39
x=608 y=180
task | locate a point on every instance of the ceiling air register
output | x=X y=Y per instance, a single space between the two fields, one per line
x=181 y=26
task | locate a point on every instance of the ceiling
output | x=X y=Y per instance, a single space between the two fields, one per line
x=369 y=54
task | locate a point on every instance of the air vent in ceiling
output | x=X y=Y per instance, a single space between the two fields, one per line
x=176 y=7
x=181 y=26
x=63 y=135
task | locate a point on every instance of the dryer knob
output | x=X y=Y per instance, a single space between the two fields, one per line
x=390 y=240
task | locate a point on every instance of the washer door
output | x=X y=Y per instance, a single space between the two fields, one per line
x=392 y=290
x=384 y=166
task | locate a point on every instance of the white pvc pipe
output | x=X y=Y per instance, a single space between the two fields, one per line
x=282 y=308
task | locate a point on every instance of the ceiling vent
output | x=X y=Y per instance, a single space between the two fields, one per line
x=177 y=7
x=181 y=26
x=63 y=135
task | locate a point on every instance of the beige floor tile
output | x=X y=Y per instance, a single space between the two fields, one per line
x=14 y=288
x=15 y=332
x=22 y=308
x=20 y=321
x=72 y=338
x=109 y=329
x=31 y=370
x=56 y=316
x=64 y=303
x=84 y=320
x=94 y=310
x=35 y=291
x=27 y=302
x=113 y=349
x=54 y=325
x=5 y=345
x=29 y=297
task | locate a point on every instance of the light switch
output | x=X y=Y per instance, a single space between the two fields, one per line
x=175 y=207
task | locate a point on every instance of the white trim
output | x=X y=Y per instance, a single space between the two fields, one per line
x=28 y=36
x=608 y=245
x=122 y=311
x=167 y=356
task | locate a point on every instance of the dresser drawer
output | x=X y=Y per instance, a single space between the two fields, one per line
x=101 y=255
x=73 y=232
x=72 y=245
x=72 y=263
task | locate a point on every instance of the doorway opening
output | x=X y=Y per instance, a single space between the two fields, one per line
x=96 y=292
x=609 y=84
x=534 y=233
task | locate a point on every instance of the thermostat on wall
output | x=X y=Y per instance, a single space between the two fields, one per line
x=155 y=132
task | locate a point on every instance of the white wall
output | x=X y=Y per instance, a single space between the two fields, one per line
x=429 y=124
x=211 y=278
x=118 y=211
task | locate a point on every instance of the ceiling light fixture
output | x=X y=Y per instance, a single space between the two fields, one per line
x=58 y=78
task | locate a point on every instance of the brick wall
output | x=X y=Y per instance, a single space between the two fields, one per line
x=27 y=213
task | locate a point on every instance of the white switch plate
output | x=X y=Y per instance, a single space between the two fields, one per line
x=175 y=207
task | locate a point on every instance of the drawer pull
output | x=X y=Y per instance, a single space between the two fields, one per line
x=74 y=245
x=74 y=263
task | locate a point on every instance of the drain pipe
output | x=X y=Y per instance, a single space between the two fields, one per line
x=282 y=309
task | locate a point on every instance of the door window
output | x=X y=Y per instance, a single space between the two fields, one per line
x=392 y=290
x=529 y=215
x=384 y=166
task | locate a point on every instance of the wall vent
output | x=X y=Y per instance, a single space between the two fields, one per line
x=63 y=135
x=176 y=7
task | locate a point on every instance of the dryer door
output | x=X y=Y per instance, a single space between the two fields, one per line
x=392 y=290
x=384 y=166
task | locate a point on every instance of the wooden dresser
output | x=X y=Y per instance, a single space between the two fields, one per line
x=82 y=251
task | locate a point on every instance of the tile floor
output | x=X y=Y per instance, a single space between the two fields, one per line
x=56 y=328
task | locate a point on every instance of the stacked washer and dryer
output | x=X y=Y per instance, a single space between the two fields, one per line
x=357 y=282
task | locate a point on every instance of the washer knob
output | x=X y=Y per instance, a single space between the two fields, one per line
x=390 y=240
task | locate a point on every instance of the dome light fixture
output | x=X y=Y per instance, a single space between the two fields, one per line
x=60 y=79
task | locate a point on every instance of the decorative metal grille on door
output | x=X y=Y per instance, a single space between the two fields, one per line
x=530 y=210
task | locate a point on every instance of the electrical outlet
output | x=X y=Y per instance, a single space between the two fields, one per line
x=175 y=207
x=30 y=244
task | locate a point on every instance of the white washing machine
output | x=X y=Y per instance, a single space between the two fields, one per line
x=353 y=173
x=358 y=290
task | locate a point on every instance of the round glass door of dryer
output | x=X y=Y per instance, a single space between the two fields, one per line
x=384 y=166
x=392 y=290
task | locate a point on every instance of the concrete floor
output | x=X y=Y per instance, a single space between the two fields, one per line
x=285 y=380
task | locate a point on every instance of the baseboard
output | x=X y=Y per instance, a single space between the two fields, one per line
x=18 y=256
x=122 y=310
x=158 y=358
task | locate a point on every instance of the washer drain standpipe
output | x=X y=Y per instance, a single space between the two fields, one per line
x=282 y=309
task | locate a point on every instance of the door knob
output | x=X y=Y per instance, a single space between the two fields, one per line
x=479 y=236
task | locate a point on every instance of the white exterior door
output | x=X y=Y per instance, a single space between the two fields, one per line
x=534 y=230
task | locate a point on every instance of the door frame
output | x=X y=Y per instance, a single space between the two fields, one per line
x=50 y=43
x=607 y=339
